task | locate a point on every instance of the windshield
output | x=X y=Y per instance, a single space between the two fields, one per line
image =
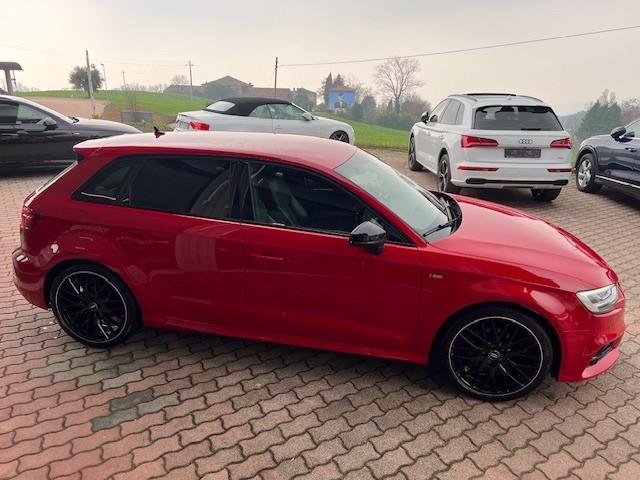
x=514 y=117
x=402 y=196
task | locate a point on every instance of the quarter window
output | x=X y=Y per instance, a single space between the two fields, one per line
x=105 y=186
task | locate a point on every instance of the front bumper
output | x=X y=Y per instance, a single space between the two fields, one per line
x=511 y=175
x=29 y=278
x=588 y=353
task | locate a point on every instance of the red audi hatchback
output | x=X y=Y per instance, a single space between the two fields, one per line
x=316 y=243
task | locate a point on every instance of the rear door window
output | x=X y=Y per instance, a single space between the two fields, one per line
x=451 y=112
x=516 y=117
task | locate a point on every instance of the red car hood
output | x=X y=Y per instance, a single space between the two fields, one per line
x=537 y=249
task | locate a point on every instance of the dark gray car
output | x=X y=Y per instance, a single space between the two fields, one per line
x=34 y=137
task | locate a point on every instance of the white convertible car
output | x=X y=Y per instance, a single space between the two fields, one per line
x=251 y=114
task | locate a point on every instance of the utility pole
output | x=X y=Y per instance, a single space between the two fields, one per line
x=104 y=74
x=124 y=81
x=190 y=79
x=275 y=80
x=90 y=83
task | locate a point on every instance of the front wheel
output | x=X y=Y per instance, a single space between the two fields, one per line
x=93 y=305
x=545 y=195
x=340 y=136
x=444 y=176
x=586 y=174
x=414 y=166
x=496 y=353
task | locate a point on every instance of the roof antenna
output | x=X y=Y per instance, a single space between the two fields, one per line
x=157 y=132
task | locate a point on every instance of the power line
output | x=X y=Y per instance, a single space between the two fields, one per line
x=462 y=50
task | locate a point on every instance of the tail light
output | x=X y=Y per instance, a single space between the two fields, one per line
x=561 y=143
x=28 y=219
x=467 y=141
x=195 y=125
x=477 y=169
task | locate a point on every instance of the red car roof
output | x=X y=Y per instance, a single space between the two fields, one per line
x=296 y=149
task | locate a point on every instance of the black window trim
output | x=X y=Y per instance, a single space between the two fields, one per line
x=236 y=163
x=141 y=159
x=406 y=242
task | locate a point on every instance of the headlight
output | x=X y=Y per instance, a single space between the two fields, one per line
x=600 y=300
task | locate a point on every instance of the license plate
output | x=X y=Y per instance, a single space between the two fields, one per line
x=522 y=152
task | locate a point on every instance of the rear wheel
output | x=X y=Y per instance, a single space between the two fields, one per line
x=444 y=176
x=545 y=195
x=340 y=136
x=413 y=163
x=93 y=305
x=586 y=174
x=496 y=353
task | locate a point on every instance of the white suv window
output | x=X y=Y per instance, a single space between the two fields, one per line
x=516 y=117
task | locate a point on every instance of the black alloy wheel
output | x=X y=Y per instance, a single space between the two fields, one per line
x=340 y=136
x=497 y=355
x=93 y=306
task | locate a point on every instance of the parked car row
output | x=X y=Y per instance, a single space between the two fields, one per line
x=304 y=241
x=34 y=137
x=502 y=140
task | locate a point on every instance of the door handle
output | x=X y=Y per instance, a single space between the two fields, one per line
x=267 y=258
x=630 y=149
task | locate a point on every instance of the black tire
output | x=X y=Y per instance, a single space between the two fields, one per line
x=444 y=176
x=414 y=166
x=340 y=136
x=586 y=174
x=545 y=195
x=482 y=341
x=93 y=306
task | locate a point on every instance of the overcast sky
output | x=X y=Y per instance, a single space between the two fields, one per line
x=152 y=41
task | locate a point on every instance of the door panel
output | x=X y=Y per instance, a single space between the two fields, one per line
x=319 y=288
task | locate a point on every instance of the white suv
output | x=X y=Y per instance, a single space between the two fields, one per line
x=493 y=140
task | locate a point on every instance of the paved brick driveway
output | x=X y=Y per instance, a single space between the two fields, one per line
x=185 y=406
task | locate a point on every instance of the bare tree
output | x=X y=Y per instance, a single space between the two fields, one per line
x=179 y=80
x=398 y=77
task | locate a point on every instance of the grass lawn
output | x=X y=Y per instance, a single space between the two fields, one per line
x=166 y=106
x=369 y=135
x=162 y=103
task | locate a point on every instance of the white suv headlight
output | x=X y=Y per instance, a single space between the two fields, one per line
x=600 y=300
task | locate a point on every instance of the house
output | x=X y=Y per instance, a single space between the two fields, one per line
x=226 y=86
x=281 y=93
x=341 y=97
x=229 y=86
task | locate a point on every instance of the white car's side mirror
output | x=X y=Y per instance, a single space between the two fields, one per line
x=307 y=116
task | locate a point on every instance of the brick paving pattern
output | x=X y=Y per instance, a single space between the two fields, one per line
x=175 y=405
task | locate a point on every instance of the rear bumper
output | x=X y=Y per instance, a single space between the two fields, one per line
x=586 y=354
x=29 y=279
x=511 y=175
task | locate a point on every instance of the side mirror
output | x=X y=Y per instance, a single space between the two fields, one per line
x=369 y=235
x=424 y=117
x=618 y=132
x=308 y=117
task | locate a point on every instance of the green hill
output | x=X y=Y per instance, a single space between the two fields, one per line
x=166 y=106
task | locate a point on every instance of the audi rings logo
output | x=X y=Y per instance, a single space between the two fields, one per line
x=526 y=141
